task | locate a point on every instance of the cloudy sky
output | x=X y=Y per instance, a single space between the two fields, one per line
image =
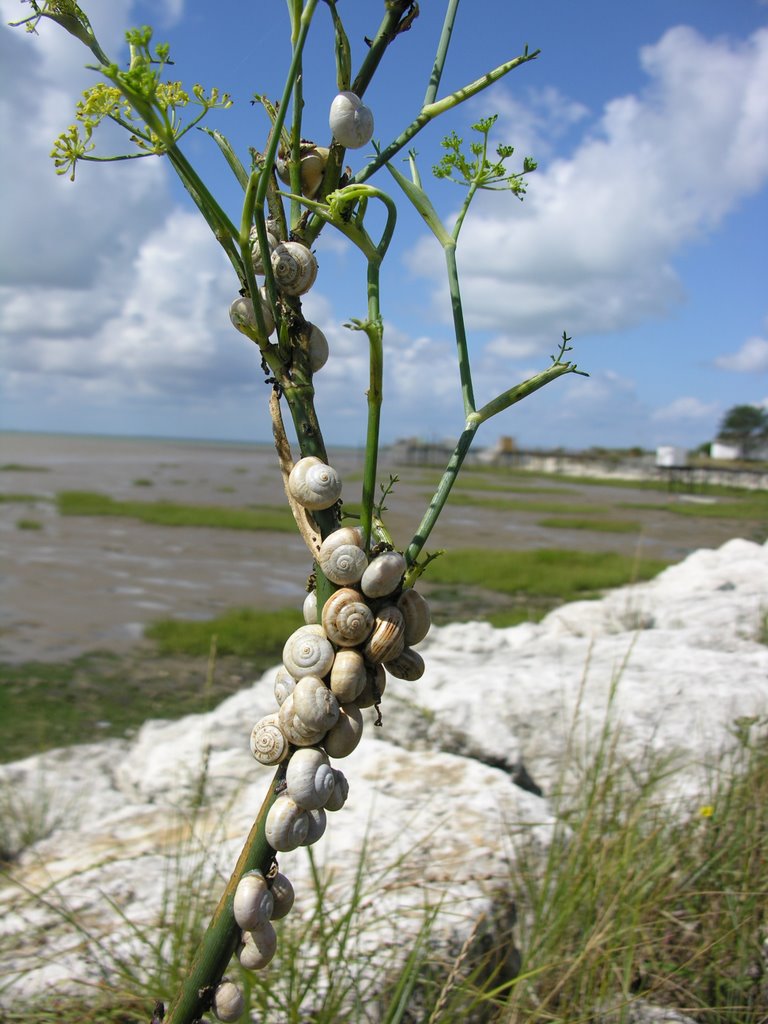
x=642 y=234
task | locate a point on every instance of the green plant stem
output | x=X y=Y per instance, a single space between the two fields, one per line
x=223 y=934
x=442 y=52
x=465 y=369
x=374 y=328
x=298 y=104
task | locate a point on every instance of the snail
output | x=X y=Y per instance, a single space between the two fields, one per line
x=318 y=349
x=228 y=1002
x=297 y=732
x=308 y=652
x=244 y=319
x=383 y=575
x=285 y=684
x=338 y=797
x=316 y=828
x=314 y=704
x=314 y=484
x=256 y=257
x=309 y=608
x=282 y=890
x=294 y=267
x=375 y=684
x=347 y=619
x=309 y=778
x=342 y=560
x=386 y=641
x=312 y=162
x=342 y=739
x=409 y=664
x=286 y=824
x=259 y=946
x=350 y=121
x=253 y=902
x=416 y=616
x=347 y=675
x=269 y=744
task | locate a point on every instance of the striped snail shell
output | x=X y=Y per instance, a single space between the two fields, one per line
x=259 y=946
x=350 y=120
x=269 y=744
x=409 y=664
x=228 y=1003
x=314 y=484
x=309 y=778
x=294 y=267
x=416 y=616
x=383 y=575
x=286 y=825
x=387 y=637
x=347 y=619
x=342 y=560
x=253 y=903
x=314 y=704
x=308 y=652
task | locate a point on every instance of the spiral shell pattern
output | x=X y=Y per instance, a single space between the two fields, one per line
x=347 y=619
x=342 y=563
x=269 y=744
x=314 y=484
x=387 y=638
x=294 y=267
x=416 y=616
x=314 y=704
x=253 y=903
x=259 y=946
x=286 y=825
x=308 y=652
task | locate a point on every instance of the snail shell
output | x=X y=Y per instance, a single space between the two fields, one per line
x=294 y=267
x=314 y=484
x=309 y=608
x=342 y=560
x=409 y=664
x=256 y=257
x=383 y=575
x=313 y=161
x=416 y=615
x=269 y=744
x=286 y=824
x=282 y=890
x=285 y=684
x=259 y=946
x=347 y=619
x=350 y=120
x=317 y=822
x=375 y=684
x=342 y=739
x=309 y=778
x=318 y=349
x=244 y=319
x=314 y=704
x=339 y=795
x=308 y=652
x=228 y=1002
x=347 y=675
x=253 y=903
x=297 y=731
x=386 y=641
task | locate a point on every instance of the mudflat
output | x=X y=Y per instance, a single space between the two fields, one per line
x=77 y=583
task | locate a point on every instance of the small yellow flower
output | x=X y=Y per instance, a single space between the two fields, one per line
x=706 y=811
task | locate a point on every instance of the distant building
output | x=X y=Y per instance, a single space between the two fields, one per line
x=721 y=450
x=670 y=456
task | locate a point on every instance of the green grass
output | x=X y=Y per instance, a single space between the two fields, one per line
x=21 y=499
x=28 y=524
x=242 y=632
x=751 y=506
x=596 y=525
x=464 y=484
x=170 y=513
x=544 y=572
x=22 y=467
x=513 y=505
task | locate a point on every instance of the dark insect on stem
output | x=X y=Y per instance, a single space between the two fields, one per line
x=158 y=1013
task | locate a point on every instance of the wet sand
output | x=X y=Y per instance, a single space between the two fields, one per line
x=93 y=583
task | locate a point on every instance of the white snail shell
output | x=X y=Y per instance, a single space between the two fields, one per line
x=350 y=121
x=309 y=778
x=294 y=267
x=383 y=574
x=348 y=675
x=260 y=944
x=308 y=652
x=286 y=824
x=309 y=608
x=253 y=903
x=339 y=795
x=256 y=257
x=341 y=558
x=314 y=704
x=416 y=616
x=244 y=319
x=228 y=1002
x=375 y=684
x=347 y=619
x=297 y=731
x=318 y=349
x=387 y=638
x=285 y=684
x=269 y=744
x=342 y=739
x=409 y=664
x=313 y=161
x=317 y=822
x=282 y=890
x=314 y=484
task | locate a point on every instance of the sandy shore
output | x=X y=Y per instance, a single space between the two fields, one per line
x=77 y=583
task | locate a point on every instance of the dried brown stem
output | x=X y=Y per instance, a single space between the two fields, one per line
x=306 y=525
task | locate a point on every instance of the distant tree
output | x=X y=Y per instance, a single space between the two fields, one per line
x=745 y=426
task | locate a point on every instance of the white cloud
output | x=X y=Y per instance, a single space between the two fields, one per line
x=752 y=357
x=687 y=408
x=592 y=247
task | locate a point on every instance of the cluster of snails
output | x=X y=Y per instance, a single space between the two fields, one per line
x=331 y=671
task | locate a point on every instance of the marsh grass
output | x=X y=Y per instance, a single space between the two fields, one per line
x=169 y=513
x=28 y=524
x=750 y=505
x=594 y=524
x=243 y=632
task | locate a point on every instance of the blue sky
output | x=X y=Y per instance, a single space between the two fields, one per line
x=642 y=235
